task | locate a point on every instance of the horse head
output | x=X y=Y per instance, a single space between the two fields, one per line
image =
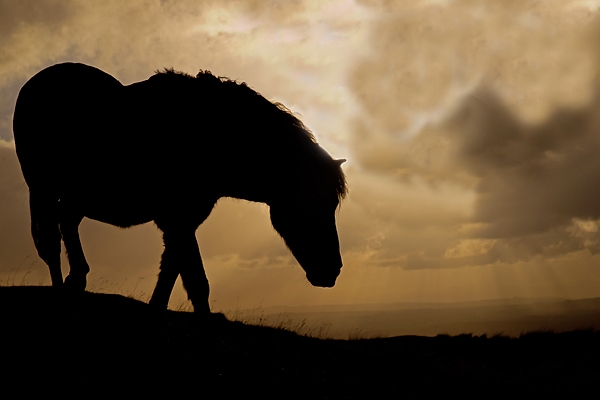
x=307 y=225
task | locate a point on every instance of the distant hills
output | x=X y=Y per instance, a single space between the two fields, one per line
x=510 y=317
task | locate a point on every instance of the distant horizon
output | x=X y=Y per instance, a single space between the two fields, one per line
x=375 y=305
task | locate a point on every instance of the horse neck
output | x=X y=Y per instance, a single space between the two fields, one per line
x=262 y=173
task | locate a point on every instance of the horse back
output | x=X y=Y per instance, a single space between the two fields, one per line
x=83 y=137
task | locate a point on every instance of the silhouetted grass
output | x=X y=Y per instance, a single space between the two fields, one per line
x=256 y=316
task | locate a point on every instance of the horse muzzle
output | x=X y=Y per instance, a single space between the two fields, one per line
x=323 y=280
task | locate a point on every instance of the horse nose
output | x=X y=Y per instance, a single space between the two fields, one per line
x=322 y=279
x=320 y=282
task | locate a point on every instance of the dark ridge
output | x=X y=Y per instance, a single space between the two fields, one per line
x=101 y=344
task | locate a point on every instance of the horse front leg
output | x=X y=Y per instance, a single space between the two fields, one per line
x=182 y=255
x=195 y=282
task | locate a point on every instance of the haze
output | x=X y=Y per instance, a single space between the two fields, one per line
x=471 y=129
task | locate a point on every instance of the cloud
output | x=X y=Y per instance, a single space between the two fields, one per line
x=532 y=177
x=15 y=237
x=469 y=248
x=424 y=58
x=498 y=101
x=288 y=51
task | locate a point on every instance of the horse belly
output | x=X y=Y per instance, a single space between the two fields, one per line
x=121 y=213
x=111 y=200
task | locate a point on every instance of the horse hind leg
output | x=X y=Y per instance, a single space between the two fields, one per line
x=79 y=268
x=45 y=231
x=182 y=255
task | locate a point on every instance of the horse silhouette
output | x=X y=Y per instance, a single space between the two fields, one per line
x=165 y=150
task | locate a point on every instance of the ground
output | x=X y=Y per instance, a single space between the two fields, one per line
x=109 y=344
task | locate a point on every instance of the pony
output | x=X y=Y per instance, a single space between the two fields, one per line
x=166 y=150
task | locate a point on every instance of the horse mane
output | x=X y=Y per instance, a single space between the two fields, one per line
x=299 y=133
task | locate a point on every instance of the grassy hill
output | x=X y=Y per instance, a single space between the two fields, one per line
x=89 y=344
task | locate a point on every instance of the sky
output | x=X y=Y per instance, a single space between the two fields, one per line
x=471 y=130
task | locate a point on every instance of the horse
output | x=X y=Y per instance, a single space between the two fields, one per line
x=166 y=150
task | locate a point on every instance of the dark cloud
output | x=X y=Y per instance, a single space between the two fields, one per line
x=533 y=177
x=471 y=95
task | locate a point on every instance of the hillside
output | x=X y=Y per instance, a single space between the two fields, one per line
x=107 y=344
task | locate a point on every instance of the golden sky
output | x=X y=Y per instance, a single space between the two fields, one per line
x=471 y=129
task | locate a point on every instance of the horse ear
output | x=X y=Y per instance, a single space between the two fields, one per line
x=340 y=161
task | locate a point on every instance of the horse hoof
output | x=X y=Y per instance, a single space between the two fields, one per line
x=210 y=321
x=217 y=318
x=75 y=284
x=158 y=304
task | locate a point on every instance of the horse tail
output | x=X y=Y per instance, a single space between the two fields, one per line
x=36 y=150
x=45 y=230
